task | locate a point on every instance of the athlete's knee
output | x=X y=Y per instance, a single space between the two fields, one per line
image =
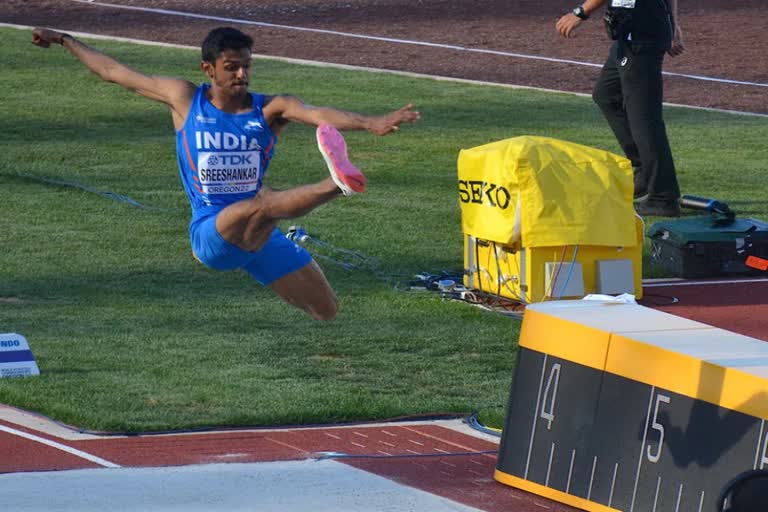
x=326 y=311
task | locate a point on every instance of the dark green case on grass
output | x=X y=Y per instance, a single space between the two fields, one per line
x=708 y=246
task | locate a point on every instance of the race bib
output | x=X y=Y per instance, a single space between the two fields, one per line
x=624 y=4
x=229 y=172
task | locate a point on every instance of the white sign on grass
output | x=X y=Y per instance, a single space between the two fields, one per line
x=16 y=359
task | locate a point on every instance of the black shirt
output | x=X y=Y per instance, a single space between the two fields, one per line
x=651 y=21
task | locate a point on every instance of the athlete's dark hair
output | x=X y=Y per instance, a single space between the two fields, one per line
x=221 y=39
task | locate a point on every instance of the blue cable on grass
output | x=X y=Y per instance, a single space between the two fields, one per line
x=104 y=193
x=474 y=423
x=570 y=271
x=345 y=258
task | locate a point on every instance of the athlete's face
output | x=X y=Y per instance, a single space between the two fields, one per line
x=231 y=72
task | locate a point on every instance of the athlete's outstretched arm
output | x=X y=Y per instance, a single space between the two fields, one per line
x=291 y=108
x=174 y=92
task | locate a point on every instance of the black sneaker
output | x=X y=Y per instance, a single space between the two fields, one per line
x=667 y=209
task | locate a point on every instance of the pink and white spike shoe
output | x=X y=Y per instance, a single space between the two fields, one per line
x=334 y=150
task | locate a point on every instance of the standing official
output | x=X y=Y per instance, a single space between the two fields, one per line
x=629 y=91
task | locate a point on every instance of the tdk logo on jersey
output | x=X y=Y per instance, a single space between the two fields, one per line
x=482 y=192
x=234 y=159
x=225 y=140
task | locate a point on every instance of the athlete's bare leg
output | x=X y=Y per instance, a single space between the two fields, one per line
x=248 y=224
x=308 y=289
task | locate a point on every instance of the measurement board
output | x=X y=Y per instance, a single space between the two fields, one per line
x=621 y=407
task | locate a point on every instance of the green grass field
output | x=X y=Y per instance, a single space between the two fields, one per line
x=131 y=334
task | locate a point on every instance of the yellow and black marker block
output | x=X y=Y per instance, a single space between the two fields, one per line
x=621 y=407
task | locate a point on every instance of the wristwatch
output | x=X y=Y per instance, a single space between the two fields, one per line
x=581 y=13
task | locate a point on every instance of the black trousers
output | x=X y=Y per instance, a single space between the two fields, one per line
x=630 y=93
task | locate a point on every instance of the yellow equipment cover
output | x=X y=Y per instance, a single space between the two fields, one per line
x=557 y=193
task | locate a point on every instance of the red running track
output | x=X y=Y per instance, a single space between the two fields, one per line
x=740 y=306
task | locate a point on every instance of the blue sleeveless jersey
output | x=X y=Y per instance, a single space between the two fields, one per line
x=222 y=157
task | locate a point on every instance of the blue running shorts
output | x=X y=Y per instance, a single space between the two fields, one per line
x=277 y=258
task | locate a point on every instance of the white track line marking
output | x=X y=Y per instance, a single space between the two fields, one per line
x=703 y=283
x=399 y=41
x=410 y=74
x=59 y=446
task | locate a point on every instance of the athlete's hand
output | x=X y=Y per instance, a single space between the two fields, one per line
x=44 y=37
x=391 y=122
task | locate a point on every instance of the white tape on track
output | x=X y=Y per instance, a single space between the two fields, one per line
x=59 y=446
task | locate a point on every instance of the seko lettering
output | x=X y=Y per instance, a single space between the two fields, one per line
x=482 y=192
